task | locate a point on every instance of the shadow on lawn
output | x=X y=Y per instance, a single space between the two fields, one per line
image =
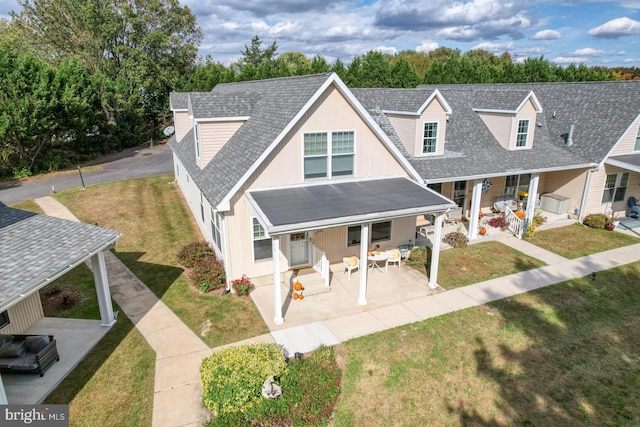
x=581 y=367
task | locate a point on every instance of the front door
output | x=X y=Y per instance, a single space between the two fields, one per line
x=460 y=195
x=298 y=249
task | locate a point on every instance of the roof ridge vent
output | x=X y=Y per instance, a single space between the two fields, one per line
x=570 y=136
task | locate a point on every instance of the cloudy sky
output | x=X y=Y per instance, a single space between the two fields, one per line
x=570 y=31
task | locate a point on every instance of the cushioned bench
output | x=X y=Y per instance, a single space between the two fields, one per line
x=27 y=353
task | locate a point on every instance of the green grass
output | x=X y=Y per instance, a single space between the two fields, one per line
x=476 y=263
x=575 y=241
x=565 y=355
x=29 y=205
x=155 y=223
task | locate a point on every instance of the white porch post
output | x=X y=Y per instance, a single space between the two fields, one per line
x=364 y=262
x=3 y=395
x=531 y=200
x=475 y=209
x=277 y=289
x=99 y=268
x=435 y=253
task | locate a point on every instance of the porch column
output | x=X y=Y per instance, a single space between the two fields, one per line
x=277 y=289
x=531 y=200
x=364 y=262
x=3 y=395
x=435 y=253
x=475 y=209
x=99 y=268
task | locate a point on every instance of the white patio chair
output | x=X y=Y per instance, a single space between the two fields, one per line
x=394 y=257
x=454 y=215
x=350 y=263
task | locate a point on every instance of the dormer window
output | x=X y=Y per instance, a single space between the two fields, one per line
x=430 y=137
x=523 y=133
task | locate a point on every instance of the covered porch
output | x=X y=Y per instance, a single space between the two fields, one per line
x=321 y=206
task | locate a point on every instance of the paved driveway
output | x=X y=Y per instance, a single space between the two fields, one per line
x=131 y=163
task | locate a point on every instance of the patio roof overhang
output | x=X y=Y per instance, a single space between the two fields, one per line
x=630 y=162
x=37 y=249
x=315 y=206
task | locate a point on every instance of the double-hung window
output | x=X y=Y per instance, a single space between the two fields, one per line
x=261 y=242
x=4 y=319
x=430 y=137
x=380 y=231
x=523 y=133
x=636 y=147
x=202 y=207
x=615 y=187
x=328 y=154
x=215 y=228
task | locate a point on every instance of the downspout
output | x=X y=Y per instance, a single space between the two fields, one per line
x=585 y=190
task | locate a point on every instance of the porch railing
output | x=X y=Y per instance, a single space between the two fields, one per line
x=321 y=264
x=514 y=224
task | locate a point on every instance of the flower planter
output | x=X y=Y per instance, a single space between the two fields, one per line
x=609 y=226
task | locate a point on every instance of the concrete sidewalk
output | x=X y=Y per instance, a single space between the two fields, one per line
x=179 y=352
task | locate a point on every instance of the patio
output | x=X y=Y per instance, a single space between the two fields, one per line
x=74 y=338
x=384 y=289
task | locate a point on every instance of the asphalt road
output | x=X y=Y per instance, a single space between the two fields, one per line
x=131 y=163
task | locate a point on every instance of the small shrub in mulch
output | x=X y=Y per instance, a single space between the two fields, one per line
x=191 y=252
x=207 y=274
x=596 y=220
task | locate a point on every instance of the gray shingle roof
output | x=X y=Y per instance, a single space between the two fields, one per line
x=216 y=105
x=274 y=104
x=600 y=111
x=36 y=247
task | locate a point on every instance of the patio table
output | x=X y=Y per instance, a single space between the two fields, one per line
x=375 y=258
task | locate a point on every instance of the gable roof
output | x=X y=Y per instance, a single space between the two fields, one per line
x=37 y=249
x=273 y=107
x=600 y=111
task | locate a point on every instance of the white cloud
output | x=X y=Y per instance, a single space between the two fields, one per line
x=427 y=46
x=389 y=50
x=495 y=47
x=631 y=60
x=616 y=28
x=569 y=60
x=587 y=51
x=546 y=35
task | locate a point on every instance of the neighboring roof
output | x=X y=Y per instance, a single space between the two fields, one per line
x=629 y=161
x=36 y=249
x=178 y=101
x=600 y=111
x=307 y=207
x=210 y=105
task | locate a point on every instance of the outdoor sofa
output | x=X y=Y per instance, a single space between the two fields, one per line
x=27 y=353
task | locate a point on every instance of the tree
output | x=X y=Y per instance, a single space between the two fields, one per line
x=138 y=48
x=254 y=55
x=295 y=63
x=319 y=65
x=403 y=74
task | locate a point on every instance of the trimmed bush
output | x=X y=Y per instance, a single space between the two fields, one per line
x=310 y=387
x=596 y=220
x=456 y=239
x=191 y=252
x=207 y=274
x=232 y=378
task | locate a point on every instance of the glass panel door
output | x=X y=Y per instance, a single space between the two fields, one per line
x=298 y=249
x=460 y=194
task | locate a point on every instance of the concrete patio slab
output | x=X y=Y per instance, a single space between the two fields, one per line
x=74 y=339
x=304 y=338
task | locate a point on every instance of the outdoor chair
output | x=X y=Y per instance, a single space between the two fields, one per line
x=394 y=257
x=350 y=263
x=454 y=215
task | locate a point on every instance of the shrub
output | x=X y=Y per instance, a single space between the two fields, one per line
x=498 y=222
x=242 y=286
x=538 y=220
x=596 y=220
x=207 y=274
x=530 y=231
x=420 y=258
x=232 y=378
x=456 y=239
x=310 y=387
x=191 y=252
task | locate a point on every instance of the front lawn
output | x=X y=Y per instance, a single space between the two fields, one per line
x=475 y=263
x=155 y=222
x=565 y=355
x=575 y=241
